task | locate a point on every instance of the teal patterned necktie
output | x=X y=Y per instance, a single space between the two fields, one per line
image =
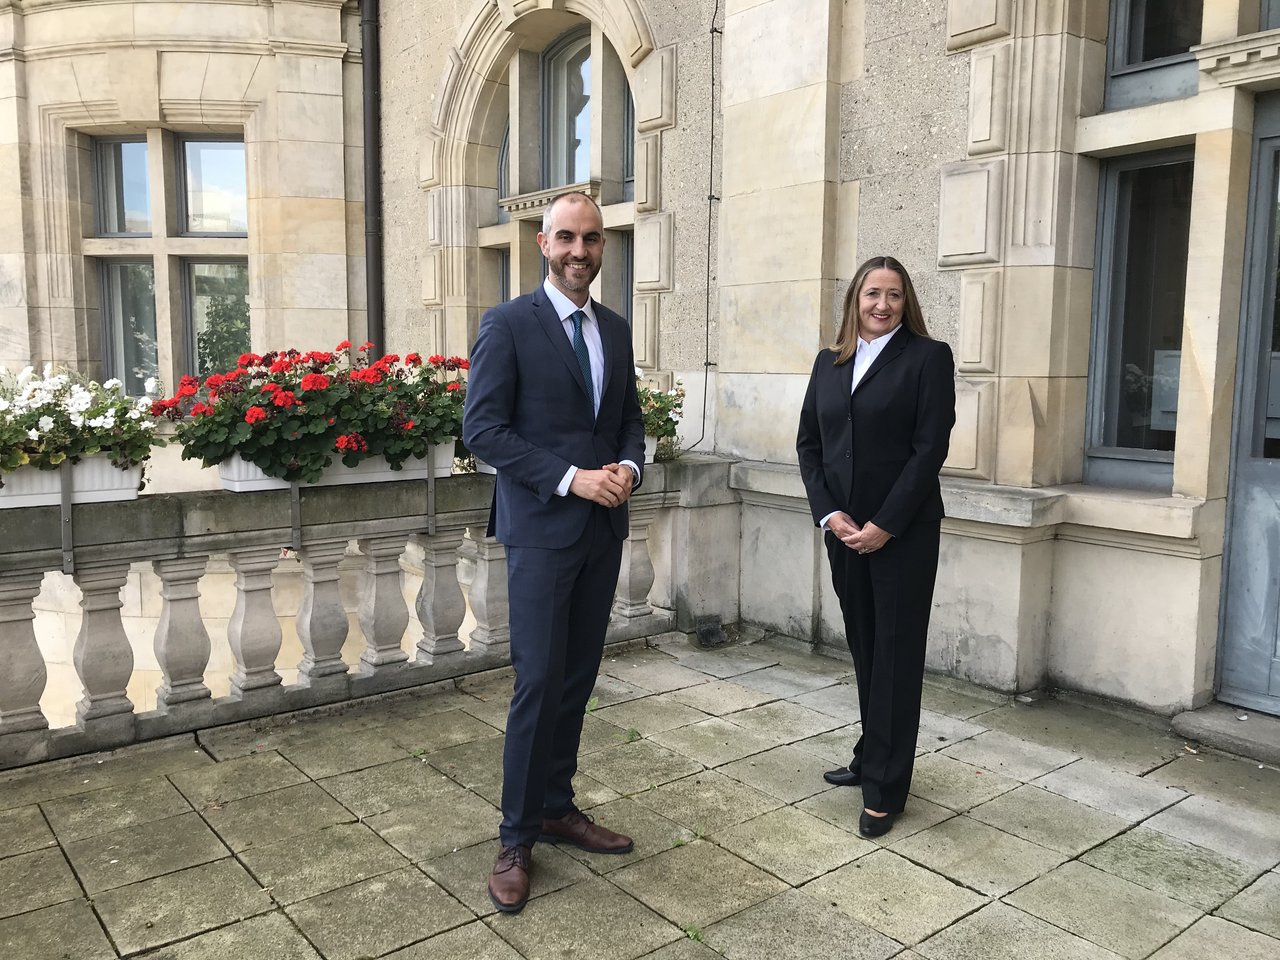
x=584 y=358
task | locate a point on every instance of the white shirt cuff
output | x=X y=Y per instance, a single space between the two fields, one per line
x=823 y=524
x=565 y=481
x=634 y=470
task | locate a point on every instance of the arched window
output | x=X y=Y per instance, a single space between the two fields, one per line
x=566 y=88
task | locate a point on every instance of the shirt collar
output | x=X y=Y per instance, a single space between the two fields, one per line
x=876 y=345
x=565 y=307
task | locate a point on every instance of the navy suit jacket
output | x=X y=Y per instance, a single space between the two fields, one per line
x=876 y=454
x=528 y=415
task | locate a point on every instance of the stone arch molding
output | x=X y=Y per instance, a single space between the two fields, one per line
x=486 y=42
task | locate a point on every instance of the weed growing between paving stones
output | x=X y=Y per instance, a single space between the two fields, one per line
x=633 y=735
x=694 y=934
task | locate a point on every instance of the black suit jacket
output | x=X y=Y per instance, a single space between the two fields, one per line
x=876 y=454
x=528 y=415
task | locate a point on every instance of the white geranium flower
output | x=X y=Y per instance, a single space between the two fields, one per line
x=31 y=434
x=4 y=404
x=79 y=400
x=25 y=375
x=143 y=405
x=98 y=423
x=149 y=385
x=77 y=420
x=48 y=370
x=135 y=414
x=45 y=423
x=112 y=384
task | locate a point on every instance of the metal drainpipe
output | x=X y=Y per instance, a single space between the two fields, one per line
x=372 y=83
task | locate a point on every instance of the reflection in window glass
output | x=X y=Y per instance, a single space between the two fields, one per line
x=219 y=310
x=570 y=114
x=129 y=301
x=124 y=200
x=1163 y=28
x=1153 y=216
x=1270 y=395
x=216 y=187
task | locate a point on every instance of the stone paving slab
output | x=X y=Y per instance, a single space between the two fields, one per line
x=840 y=700
x=268 y=817
x=1122 y=794
x=686 y=949
x=1241 y=833
x=378 y=915
x=1173 y=867
x=955 y=784
x=590 y=919
x=477 y=766
x=793 y=845
x=834 y=746
x=422 y=831
x=1049 y=820
x=600 y=734
x=145 y=851
x=939 y=731
x=461 y=873
x=342 y=754
x=720 y=697
x=1219 y=777
x=786 y=772
x=113 y=808
x=729 y=662
x=1121 y=916
x=843 y=805
x=379 y=789
x=1010 y=756
x=980 y=857
x=474 y=941
x=269 y=937
x=651 y=832
x=656 y=677
x=794 y=926
x=236 y=779
x=784 y=722
x=696 y=884
x=22 y=830
x=782 y=682
x=610 y=690
x=55 y=933
x=958 y=699
x=179 y=905
x=1000 y=932
x=341 y=855
x=1213 y=937
x=1258 y=907
x=894 y=896
x=650 y=715
x=637 y=766
x=438 y=731
x=713 y=742
x=33 y=880
x=707 y=801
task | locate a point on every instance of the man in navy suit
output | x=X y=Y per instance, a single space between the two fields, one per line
x=551 y=403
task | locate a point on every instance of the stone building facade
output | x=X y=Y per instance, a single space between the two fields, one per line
x=1084 y=192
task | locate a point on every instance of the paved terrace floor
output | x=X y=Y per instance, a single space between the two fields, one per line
x=1045 y=831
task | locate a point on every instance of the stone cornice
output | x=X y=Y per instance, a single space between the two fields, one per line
x=40 y=6
x=254 y=47
x=1252 y=62
x=529 y=206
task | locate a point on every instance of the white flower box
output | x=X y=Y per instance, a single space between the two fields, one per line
x=240 y=476
x=93 y=480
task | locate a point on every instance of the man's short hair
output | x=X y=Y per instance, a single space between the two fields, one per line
x=546 y=211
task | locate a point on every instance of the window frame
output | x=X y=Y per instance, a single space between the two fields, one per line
x=570 y=39
x=1131 y=467
x=1152 y=81
x=191 y=358
x=102 y=189
x=111 y=363
x=180 y=142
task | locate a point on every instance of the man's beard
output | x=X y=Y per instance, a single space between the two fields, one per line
x=561 y=275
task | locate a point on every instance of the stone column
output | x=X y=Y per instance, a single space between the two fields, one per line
x=22 y=670
x=103 y=656
x=489 y=594
x=322 y=619
x=440 y=605
x=181 y=642
x=382 y=612
x=635 y=580
x=254 y=632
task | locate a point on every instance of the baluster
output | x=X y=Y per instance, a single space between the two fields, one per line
x=489 y=594
x=635 y=579
x=22 y=670
x=440 y=604
x=182 y=642
x=382 y=612
x=103 y=656
x=254 y=632
x=322 y=620
x=467 y=561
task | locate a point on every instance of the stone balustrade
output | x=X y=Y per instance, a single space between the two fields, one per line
x=177 y=534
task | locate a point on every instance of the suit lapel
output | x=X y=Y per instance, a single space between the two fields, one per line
x=607 y=345
x=554 y=329
x=889 y=354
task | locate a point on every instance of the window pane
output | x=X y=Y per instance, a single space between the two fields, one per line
x=1270 y=395
x=570 y=112
x=130 y=305
x=1163 y=28
x=124 y=200
x=1153 y=215
x=216 y=187
x=219 y=311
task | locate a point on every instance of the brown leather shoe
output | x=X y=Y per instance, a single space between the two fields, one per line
x=509 y=880
x=580 y=830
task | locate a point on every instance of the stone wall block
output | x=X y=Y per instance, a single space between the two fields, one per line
x=971 y=213
x=229 y=76
x=781 y=594
x=22 y=670
x=754 y=341
x=182 y=74
x=653 y=88
x=302 y=74
x=990 y=76
x=135 y=82
x=779 y=140
x=795 y=219
x=775 y=46
x=309 y=117
x=756 y=415
x=648 y=166
x=645 y=313
x=312 y=170
x=971 y=22
x=1046 y=321
x=973 y=441
x=306 y=20
x=181 y=641
x=980 y=313
x=654 y=252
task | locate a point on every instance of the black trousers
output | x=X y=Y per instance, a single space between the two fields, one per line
x=560 y=603
x=886 y=597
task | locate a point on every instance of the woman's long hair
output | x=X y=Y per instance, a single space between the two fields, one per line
x=912 y=316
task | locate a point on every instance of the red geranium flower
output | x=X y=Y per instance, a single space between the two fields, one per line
x=408 y=425
x=315 y=381
x=284 y=398
x=249 y=360
x=283 y=365
x=270 y=387
x=367 y=345
x=200 y=409
x=435 y=359
x=254 y=414
x=454 y=385
x=344 y=345
x=413 y=360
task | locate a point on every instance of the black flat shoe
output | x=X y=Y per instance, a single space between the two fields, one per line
x=870 y=826
x=843 y=777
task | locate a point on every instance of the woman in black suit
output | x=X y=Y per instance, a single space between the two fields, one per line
x=873 y=435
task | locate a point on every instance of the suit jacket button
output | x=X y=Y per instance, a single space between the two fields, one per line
x=848 y=454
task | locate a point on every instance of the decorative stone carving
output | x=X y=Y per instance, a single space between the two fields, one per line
x=22 y=670
x=253 y=632
x=979 y=321
x=970 y=22
x=440 y=605
x=648 y=197
x=972 y=438
x=488 y=594
x=644 y=329
x=103 y=656
x=181 y=642
x=654 y=89
x=322 y=620
x=989 y=77
x=971 y=212
x=382 y=612
x=654 y=252
x=635 y=579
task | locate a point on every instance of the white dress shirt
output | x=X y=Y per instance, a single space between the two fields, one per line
x=565 y=309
